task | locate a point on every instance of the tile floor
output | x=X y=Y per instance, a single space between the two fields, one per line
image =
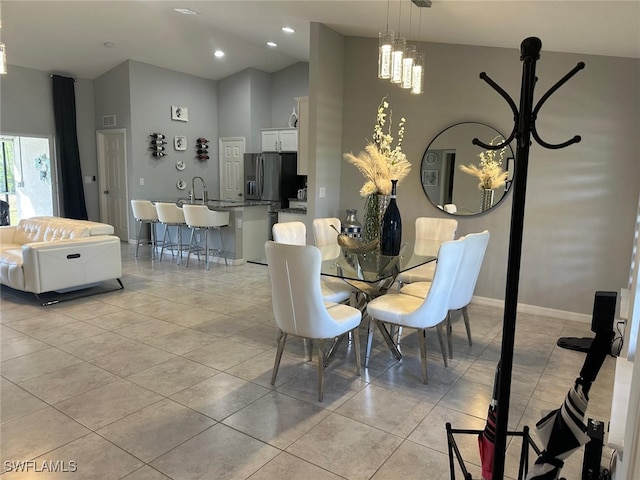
x=169 y=378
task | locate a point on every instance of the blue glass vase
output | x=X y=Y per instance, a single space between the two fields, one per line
x=391 y=234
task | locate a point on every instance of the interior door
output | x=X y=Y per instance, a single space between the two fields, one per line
x=112 y=160
x=232 y=168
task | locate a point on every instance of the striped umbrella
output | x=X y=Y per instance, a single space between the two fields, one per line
x=562 y=431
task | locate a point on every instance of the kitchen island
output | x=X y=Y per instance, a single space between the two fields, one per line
x=246 y=234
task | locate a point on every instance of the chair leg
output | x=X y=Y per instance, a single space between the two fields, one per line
x=282 y=339
x=154 y=236
x=140 y=222
x=164 y=240
x=367 y=353
x=423 y=353
x=443 y=349
x=207 y=260
x=465 y=315
x=193 y=231
x=356 y=348
x=224 y=252
x=308 y=348
x=179 y=244
x=449 y=335
x=320 y=369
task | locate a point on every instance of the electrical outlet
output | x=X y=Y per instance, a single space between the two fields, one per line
x=197 y=236
x=141 y=181
x=238 y=223
x=322 y=192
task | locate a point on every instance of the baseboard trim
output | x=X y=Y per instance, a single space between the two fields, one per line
x=535 y=310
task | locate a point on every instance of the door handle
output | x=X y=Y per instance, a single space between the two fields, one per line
x=106 y=192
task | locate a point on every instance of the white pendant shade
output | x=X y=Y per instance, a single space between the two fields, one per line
x=417 y=76
x=407 y=66
x=385 y=48
x=396 y=59
x=3 y=60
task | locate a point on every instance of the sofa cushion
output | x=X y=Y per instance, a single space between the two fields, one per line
x=47 y=229
x=95 y=228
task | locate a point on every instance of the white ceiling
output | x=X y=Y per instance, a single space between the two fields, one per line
x=68 y=37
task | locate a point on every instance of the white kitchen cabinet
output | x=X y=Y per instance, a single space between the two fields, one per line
x=303 y=135
x=280 y=140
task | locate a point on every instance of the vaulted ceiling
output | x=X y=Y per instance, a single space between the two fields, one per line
x=69 y=37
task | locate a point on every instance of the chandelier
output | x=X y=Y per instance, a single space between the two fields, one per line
x=3 y=59
x=400 y=62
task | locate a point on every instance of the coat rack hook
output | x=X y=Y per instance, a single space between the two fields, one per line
x=543 y=99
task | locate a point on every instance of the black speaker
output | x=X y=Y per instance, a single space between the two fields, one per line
x=604 y=309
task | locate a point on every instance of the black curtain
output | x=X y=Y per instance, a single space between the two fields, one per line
x=64 y=110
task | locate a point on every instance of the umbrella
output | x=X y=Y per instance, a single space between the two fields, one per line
x=487 y=438
x=562 y=431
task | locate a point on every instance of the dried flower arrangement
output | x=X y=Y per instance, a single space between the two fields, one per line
x=381 y=162
x=489 y=170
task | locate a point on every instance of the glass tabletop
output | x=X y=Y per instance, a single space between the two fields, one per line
x=371 y=267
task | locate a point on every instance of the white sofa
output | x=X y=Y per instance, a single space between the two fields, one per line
x=45 y=254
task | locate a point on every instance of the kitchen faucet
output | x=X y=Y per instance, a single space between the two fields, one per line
x=204 y=191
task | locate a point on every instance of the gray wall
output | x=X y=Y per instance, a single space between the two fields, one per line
x=242 y=106
x=326 y=72
x=581 y=201
x=286 y=85
x=141 y=96
x=26 y=109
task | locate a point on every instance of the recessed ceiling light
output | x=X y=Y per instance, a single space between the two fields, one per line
x=186 y=11
x=218 y=53
x=288 y=30
x=272 y=44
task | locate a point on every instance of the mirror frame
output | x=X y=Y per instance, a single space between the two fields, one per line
x=508 y=163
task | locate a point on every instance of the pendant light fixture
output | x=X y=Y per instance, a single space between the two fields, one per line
x=397 y=54
x=385 y=47
x=3 y=59
x=417 y=80
x=417 y=74
x=399 y=62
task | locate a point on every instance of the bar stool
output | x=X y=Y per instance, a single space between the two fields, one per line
x=145 y=212
x=199 y=217
x=170 y=215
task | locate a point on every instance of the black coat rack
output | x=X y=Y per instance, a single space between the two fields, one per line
x=524 y=128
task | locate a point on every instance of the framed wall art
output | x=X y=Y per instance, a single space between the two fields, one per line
x=179 y=113
x=430 y=178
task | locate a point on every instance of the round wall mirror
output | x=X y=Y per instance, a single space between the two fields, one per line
x=459 y=191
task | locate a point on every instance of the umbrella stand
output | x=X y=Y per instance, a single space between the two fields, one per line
x=454 y=451
x=523 y=131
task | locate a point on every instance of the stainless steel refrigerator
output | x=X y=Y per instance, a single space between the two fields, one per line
x=271 y=177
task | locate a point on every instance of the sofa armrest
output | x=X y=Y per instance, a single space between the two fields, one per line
x=61 y=264
x=6 y=234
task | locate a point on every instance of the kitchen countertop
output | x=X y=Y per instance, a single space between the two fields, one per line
x=226 y=204
x=302 y=211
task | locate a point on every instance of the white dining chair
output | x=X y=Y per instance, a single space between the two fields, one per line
x=325 y=234
x=299 y=307
x=170 y=215
x=200 y=217
x=295 y=233
x=408 y=311
x=144 y=212
x=430 y=233
x=464 y=285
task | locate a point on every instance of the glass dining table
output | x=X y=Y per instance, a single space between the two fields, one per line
x=372 y=274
